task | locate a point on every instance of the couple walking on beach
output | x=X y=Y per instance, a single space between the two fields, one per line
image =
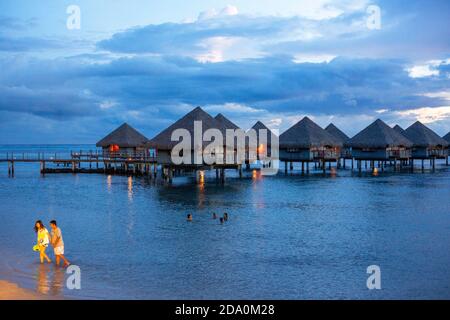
x=44 y=238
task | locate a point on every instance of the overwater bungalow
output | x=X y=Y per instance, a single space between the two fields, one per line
x=123 y=141
x=426 y=143
x=399 y=129
x=379 y=142
x=162 y=144
x=307 y=142
x=447 y=137
x=226 y=123
x=263 y=144
x=341 y=137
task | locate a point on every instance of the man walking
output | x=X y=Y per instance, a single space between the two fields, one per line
x=58 y=244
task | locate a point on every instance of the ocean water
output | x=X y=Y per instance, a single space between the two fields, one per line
x=288 y=236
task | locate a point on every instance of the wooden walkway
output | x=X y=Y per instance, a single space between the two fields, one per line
x=138 y=163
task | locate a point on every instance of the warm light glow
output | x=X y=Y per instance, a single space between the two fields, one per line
x=261 y=149
x=109 y=182
x=114 y=148
x=256 y=175
x=375 y=171
x=130 y=188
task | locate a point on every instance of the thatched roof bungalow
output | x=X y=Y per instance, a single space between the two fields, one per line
x=447 y=137
x=341 y=137
x=125 y=140
x=399 y=129
x=163 y=144
x=263 y=146
x=225 y=122
x=306 y=141
x=337 y=133
x=426 y=143
x=379 y=142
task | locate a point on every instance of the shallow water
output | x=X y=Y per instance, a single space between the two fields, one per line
x=288 y=237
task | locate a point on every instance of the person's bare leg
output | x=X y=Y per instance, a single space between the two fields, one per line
x=66 y=262
x=41 y=256
x=44 y=255
x=57 y=260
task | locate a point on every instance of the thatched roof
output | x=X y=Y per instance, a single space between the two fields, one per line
x=378 y=135
x=447 y=137
x=163 y=141
x=422 y=136
x=337 y=133
x=261 y=126
x=399 y=129
x=306 y=134
x=124 y=136
x=227 y=123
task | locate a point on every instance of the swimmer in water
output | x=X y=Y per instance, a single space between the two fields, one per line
x=189 y=217
x=225 y=216
x=214 y=216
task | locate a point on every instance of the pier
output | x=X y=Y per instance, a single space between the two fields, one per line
x=138 y=163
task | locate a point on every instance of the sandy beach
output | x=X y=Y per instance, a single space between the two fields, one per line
x=11 y=291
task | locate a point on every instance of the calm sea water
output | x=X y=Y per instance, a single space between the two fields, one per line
x=288 y=237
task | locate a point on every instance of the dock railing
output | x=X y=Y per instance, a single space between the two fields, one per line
x=78 y=156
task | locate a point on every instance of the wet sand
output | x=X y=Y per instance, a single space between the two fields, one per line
x=11 y=291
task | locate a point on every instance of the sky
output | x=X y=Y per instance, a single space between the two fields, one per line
x=149 y=62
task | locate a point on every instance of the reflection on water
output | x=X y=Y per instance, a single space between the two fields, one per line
x=42 y=279
x=201 y=188
x=130 y=189
x=58 y=282
x=50 y=280
x=288 y=237
x=109 y=183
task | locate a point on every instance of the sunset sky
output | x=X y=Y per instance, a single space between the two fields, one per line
x=150 y=62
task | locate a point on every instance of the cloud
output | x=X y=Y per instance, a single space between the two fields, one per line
x=15 y=24
x=229 y=10
x=426 y=115
x=155 y=89
x=20 y=44
x=321 y=61
x=431 y=68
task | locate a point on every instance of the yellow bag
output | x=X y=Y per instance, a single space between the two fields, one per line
x=36 y=248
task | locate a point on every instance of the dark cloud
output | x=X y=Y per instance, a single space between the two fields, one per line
x=60 y=88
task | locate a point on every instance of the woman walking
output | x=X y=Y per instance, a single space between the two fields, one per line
x=43 y=239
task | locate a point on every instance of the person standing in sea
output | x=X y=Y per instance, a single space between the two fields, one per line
x=42 y=240
x=58 y=244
